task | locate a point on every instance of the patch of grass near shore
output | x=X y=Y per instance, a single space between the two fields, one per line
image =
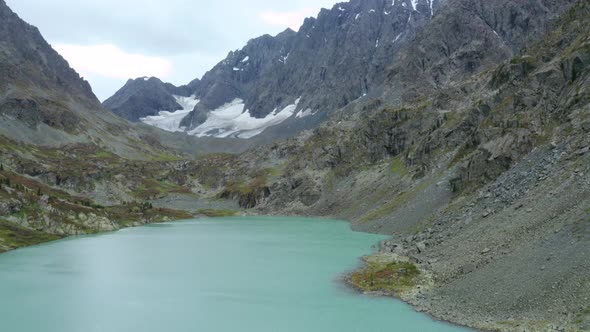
x=393 y=277
x=13 y=236
x=213 y=213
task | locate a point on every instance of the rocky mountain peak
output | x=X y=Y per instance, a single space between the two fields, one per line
x=22 y=42
x=144 y=97
x=355 y=51
x=332 y=60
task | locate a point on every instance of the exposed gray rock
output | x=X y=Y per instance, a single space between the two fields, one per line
x=144 y=97
x=10 y=206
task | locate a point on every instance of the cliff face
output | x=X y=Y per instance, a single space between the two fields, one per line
x=332 y=60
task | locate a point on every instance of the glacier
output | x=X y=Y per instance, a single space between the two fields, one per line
x=229 y=120
x=170 y=121
x=233 y=120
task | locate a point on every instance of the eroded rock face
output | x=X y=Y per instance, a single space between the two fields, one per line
x=25 y=110
x=10 y=206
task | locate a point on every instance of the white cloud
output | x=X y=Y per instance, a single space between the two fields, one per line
x=292 y=19
x=110 y=61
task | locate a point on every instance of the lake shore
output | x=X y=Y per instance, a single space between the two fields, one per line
x=90 y=270
x=421 y=294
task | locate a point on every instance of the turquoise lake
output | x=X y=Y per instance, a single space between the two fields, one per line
x=206 y=275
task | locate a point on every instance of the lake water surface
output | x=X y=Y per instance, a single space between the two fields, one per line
x=209 y=275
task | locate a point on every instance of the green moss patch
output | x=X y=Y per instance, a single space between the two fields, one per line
x=398 y=167
x=214 y=213
x=13 y=236
x=391 y=278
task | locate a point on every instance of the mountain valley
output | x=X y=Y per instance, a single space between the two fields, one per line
x=460 y=128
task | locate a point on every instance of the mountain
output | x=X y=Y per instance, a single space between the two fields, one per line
x=279 y=86
x=144 y=97
x=297 y=76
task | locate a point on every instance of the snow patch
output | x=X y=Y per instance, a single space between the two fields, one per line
x=237 y=69
x=246 y=59
x=398 y=37
x=170 y=121
x=233 y=120
x=414 y=4
x=357 y=16
x=341 y=9
x=377 y=43
x=284 y=58
x=302 y=114
x=372 y=11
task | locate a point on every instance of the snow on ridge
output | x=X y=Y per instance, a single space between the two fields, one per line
x=303 y=114
x=233 y=120
x=170 y=121
x=284 y=58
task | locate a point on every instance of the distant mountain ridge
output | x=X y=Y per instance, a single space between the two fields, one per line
x=354 y=54
x=332 y=60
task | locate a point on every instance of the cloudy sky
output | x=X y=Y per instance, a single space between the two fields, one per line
x=110 y=41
